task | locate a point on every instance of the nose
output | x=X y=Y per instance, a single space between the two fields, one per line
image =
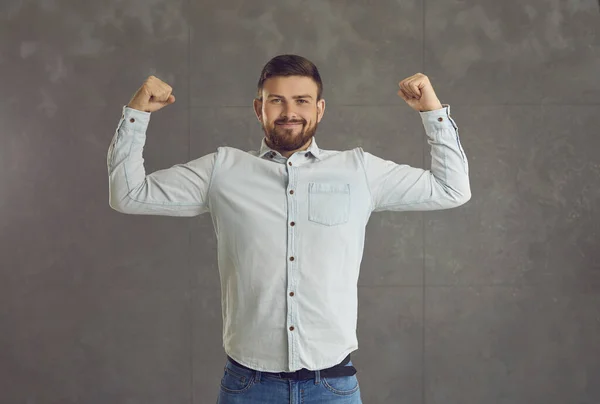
x=288 y=114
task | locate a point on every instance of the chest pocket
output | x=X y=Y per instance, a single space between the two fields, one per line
x=328 y=203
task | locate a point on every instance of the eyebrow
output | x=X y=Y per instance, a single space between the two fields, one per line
x=295 y=96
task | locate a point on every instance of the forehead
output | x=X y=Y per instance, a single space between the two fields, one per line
x=290 y=85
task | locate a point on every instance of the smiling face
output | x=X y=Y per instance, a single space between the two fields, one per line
x=289 y=112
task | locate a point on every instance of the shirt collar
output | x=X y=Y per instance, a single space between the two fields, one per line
x=312 y=148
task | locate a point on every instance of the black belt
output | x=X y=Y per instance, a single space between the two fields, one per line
x=305 y=374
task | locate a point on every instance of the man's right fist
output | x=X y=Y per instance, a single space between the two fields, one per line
x=152 y=95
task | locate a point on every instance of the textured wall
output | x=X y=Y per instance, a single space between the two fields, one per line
x=497 y=301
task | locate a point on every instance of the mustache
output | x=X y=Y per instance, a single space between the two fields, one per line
x=286 y=122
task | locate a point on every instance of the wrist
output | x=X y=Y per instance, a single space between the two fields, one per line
x=136 y=107
x=439 y=106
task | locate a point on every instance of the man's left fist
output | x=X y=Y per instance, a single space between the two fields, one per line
x=418 y=93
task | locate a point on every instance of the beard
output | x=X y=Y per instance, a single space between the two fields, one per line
x=288 y=139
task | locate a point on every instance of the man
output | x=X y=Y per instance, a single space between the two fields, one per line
x=290 y=220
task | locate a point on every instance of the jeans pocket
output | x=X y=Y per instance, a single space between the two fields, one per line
x=236 y=381
x=328 y=203
x=343 y=386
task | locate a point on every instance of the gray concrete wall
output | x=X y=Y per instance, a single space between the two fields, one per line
x=497 y=301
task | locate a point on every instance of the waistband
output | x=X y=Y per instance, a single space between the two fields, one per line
x=338 y=370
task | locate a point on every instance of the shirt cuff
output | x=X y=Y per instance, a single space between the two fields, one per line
x=136 y=119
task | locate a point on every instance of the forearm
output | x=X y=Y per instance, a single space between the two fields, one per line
x=125 y=162
x=449 y=164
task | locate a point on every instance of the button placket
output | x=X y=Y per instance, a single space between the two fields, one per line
x=291 y=248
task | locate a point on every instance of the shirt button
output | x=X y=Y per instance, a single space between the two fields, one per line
x=292 y=224
x=292 y=191
x=440 y=119
x=291 y=293
x=291 y=258
x=290 y=163
x=292 y=328
x=306 y=155
x=132 y=120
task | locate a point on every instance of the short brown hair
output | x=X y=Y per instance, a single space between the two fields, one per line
x=290 y=65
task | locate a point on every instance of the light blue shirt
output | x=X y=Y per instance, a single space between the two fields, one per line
x=290 y=231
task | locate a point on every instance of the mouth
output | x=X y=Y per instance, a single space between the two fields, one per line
x=289 y=125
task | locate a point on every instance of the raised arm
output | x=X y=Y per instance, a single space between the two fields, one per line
x=399 y=187
x=181 y=190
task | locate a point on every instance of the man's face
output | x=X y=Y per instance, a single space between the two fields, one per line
x=289 y=100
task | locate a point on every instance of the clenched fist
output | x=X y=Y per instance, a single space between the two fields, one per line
x=153 y=95
x=418 y=93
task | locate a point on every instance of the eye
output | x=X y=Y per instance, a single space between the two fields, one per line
x=279 y=99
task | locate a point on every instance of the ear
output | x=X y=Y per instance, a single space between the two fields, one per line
x=258 y=108
x=320 y=109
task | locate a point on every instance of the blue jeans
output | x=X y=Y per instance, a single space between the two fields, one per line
x=244 y=386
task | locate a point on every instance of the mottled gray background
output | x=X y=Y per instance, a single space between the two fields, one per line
x=497 y=301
